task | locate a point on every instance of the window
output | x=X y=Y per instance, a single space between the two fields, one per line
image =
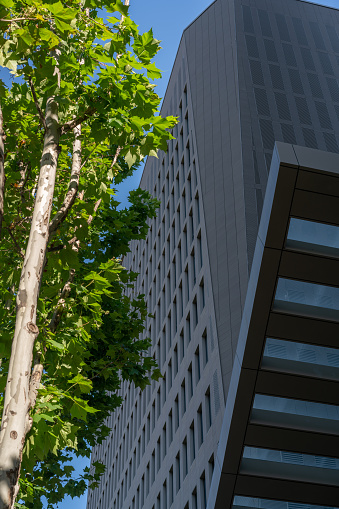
x=184 y=458
x=171 y=487
x=197 y=365
x=190 y=381
x=208 y=409
x=311 y=360
x=176 y=413
x=203 y=492
x=291 y=458
x=314 y=237
x=177 y=473
x=204 y=348
x=183 y=398
x=307 y=299
x=194 y=499
x=200 y=427
x=202 y=295
x=170 y=427
x=192 y=443
x=195 y=312
x=293 y=413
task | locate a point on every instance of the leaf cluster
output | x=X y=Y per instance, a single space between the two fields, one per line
x=102 y=83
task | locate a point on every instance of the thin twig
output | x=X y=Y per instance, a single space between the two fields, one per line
x=75 y=122
x=89 y=155
x=60 y=307
x=41 y=115
x=17 y=247
x=115 y=157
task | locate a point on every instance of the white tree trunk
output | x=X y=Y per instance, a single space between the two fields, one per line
x=16 y=421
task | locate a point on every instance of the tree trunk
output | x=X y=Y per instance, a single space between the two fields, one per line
x=2 y=169
x=16 y=421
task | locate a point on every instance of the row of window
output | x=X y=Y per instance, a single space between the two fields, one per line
x=325 y=59
x=287 y=25
x=184 y=458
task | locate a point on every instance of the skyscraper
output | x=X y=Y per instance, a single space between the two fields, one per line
x=247 y=73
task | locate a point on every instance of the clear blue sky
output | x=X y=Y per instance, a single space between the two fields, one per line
x=168 y=19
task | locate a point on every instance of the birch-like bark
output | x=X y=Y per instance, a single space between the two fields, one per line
x=2 y=168
x=16 y=421
x=73 y=183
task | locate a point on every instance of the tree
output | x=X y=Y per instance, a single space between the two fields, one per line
x=80 y=115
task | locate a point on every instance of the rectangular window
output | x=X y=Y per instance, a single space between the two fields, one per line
x=175 y=360
x=208 y=408
x=200 y=427
x=195 y=312
x=192 y=443
x=190 y=381
x=176 y=413
x=202 y=295
x=197 y=365
x=309 y=360
x=171 y=487
x=293 y=413
x=185 y=458
x=309 y=236
x=199 y=244
x=170 y=427
x=178 y=473
x=183 y=398
x=308 y=299
x=188 y=328
x=194 y=500
x=204 y=348
x=203 y=491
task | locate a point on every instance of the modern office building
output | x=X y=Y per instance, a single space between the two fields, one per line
x=247 y=73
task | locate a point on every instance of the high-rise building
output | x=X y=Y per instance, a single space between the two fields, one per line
x=247 y=73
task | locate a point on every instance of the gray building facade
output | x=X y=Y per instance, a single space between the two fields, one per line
x=247 y=73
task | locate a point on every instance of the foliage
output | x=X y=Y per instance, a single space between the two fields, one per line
x=98 y=72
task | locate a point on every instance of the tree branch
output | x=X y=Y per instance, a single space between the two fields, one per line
x=76 y=121
x=2 y=168
x=60 y=307
x=17 y=247
x=73 y=186
x=115 y=157
x=41 y=115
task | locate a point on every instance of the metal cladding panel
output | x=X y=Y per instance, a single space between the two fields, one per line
x=288 y=65
x=212 y=69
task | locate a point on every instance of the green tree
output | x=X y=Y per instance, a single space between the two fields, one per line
x=80 y=115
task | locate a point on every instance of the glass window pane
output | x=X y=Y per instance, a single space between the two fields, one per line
x=292 y=458
x=260 y=503
x=301 y=358
x=296 y=407
x=295 y=414
x=299 y=297
x=314 y=237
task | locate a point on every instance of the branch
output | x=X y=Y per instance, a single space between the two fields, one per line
x=18 y=19
x=73 y=186
x=75 y=122
x=2 y=168
x=41 y=115
x=17 y=247
x=115 y=157
x=60 y=307
x=96 y=206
